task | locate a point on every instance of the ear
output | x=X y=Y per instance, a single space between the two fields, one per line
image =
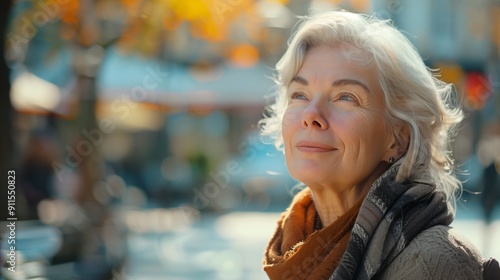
x=399 y=145
x=404 y=141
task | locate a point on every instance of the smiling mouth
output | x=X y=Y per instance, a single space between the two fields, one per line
x=312 y=147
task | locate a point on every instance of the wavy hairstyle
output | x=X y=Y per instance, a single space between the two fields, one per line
x=413 y=96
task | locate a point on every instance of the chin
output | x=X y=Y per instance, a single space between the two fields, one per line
x=308 y=176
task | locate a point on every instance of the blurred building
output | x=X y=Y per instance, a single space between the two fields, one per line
x=127 y=104
x=179 y=86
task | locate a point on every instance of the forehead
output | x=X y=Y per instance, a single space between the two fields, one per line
x=338 y=62
x=325 y=65
x=339 y=54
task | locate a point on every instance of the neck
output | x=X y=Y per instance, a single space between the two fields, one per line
x=332 y=204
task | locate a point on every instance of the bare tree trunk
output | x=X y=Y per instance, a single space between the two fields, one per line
x=95 y=261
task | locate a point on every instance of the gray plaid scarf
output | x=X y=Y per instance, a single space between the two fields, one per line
x=390 y=217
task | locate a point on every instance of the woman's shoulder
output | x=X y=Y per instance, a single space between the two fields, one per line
x=439 y=252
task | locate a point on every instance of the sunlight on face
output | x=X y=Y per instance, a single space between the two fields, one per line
x=334 y=131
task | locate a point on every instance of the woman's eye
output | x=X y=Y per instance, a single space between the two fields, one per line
x=347 y=97
x=298 y=95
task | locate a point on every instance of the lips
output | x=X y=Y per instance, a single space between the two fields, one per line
x=313 y=147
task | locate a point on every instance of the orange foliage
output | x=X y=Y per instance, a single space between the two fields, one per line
x=147 y=21
x=209 y=19
x=360 y=5
x=69 y=11
x=132 y=6
x=244 y=55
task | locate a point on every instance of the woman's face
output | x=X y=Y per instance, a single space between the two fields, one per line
x=334 y=131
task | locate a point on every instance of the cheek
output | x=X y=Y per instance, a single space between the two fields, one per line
x=288 y=118
x=288 y=124
x=375 y=130
x=361 y=129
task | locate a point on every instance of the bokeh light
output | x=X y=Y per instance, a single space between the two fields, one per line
x=134 y=127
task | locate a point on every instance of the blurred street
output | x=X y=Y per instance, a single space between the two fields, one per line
x=132 y=127
x=225 y=247
x=231 y=246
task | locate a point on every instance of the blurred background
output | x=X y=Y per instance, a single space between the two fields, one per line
x=132 y=128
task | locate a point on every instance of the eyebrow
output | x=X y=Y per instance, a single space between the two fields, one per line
x=341 y=82
x=300 y=80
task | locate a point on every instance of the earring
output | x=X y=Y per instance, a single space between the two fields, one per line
x=391 y=160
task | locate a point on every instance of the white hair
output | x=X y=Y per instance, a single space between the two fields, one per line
x=413 y=96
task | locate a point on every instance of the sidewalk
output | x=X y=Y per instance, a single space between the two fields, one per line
x=231 y=246
x=220 y=247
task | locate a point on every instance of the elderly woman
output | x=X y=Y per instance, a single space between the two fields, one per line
x=366 y=127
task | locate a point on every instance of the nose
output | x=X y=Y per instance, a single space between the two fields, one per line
x=313 y=116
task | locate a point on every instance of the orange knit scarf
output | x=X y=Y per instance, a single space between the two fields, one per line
x=298 y=251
